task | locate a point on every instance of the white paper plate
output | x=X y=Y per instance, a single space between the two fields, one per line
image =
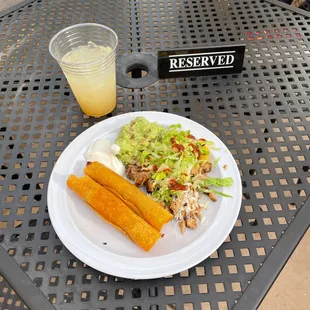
x=101 y=246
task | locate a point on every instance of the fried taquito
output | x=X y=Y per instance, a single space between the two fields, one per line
x=139 y=202
x=115 y=211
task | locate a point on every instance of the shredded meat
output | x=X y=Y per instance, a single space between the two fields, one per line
x=175 y=206
x=149 y=186
x=186 y=209
x=132 y=171
x=139 y=175
x=199 y=215
x=191 y=223
x=195 y=170
x=205 y=168
x=182 y=227
x=212 y=197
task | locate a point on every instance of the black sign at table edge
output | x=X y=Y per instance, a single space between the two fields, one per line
x=200 y=61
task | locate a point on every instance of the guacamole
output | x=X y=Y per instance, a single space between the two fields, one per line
x=135 y=137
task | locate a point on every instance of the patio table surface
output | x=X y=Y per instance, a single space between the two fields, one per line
x=261 y=114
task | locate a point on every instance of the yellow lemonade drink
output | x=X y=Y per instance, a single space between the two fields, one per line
x=95 y=87
x=86 y=54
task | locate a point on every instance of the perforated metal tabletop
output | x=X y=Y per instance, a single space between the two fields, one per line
x=262 y=115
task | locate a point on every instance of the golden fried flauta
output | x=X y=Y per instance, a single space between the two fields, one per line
x=115 y=211
x=148 y=209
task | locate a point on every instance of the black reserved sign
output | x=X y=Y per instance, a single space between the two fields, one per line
x=200 y=61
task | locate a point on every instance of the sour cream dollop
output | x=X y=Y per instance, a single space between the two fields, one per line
x=105 y=152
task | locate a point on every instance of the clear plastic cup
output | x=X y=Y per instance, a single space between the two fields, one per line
x=86 y=53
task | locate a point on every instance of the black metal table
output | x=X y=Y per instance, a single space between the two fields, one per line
x=262 y=115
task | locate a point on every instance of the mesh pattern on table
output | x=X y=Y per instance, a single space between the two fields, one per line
x=8 y=297
x=262 y=115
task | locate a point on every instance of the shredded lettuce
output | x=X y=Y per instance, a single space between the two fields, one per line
x=163 y=194
x=219 y=193
x=159 y=176
x=174 y=152
x=217 y=161
x=217 y=182
x=209 y=144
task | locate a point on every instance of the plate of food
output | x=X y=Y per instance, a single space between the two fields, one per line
x=144 y=195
